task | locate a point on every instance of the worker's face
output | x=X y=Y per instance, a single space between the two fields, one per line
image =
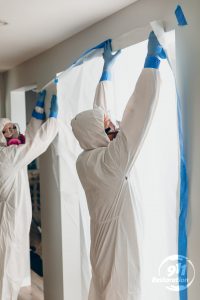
x=10 y=130
x=110 y=128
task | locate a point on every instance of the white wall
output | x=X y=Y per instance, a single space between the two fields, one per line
x=18 y=109
x=2 y=96
x=30 y=104
x=188 y=51
x=51 y=231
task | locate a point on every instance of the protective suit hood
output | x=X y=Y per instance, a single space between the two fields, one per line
x=3 y=122
x=88 y=128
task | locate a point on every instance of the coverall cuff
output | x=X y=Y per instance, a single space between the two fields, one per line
x=152 y=62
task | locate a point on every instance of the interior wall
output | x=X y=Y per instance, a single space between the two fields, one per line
x=18 y=109
x=188 y=50
x=30 y=104
x=2 y=96
x=51 y=230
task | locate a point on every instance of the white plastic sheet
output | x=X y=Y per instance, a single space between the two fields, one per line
x=155 y=175
x=76 y=90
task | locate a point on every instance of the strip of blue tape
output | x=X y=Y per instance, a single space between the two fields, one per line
x=180 y=16
x=55 y=81
x=84 y=54
x=183 y=211
x=182 y=230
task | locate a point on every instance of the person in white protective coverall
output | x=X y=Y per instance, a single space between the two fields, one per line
x=104 y=167
x=16 y=152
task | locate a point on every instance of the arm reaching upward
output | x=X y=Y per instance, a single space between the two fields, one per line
x=104 y=92
x=37 y=143
x=141 y=106
x=139 y=110
x=38 y=116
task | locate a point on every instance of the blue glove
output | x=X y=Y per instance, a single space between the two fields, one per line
x=41 y=99
x=154 y=47
x=38 y=112
x=155 y=51
x=54 y=107
x=109 y=60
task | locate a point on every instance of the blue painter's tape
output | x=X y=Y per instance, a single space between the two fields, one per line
x=180 y=16
x=183 y=213
x=55 y=80
x=81 y=58
x=182 y=229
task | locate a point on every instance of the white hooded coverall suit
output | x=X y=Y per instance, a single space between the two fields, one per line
x=103 y=168
x=15 y=202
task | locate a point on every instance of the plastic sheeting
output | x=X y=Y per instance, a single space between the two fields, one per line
x=155 y=176
x=76 y=90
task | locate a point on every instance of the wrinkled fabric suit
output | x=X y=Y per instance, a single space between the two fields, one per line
x=103 y=168
x=15 y=202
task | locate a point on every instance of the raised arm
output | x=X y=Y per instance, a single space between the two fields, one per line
x=37 y=143
x=38 y=116
x=138 y=113
x=141 y=106
x=104 y=92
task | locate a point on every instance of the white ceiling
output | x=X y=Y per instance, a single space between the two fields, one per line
x=37 y=25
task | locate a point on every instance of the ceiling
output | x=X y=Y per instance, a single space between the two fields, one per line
x=35 y=26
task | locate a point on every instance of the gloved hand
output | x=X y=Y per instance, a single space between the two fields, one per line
x=108 y=57
x=38 y=111
x=41 y=98
x=154 y=47
x=155 y=51
x=54 y=107
x=109 y=60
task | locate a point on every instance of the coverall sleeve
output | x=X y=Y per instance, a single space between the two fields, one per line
x=104 y=96
x=136 y=120
x=32 y=127
x=22 y=155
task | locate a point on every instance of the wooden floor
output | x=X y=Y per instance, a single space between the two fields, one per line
x=35 y=292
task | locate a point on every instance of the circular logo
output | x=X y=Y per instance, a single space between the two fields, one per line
x=173 y=272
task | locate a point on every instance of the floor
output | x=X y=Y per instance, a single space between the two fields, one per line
x=35 y=292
